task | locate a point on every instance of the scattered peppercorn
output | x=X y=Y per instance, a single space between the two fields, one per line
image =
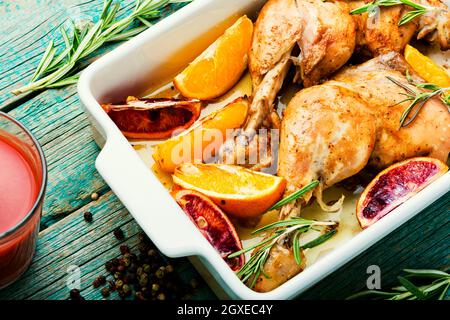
x=88 y=216
x=106 y=292
x=96 y=283
x=145 y=276
x=75 y=294
x=161 y=296
x=169 y=268
x=155 y=287
x=118 y=233
x=124 y=249
x=139 y=296
x=146 y=268
x=94 y=196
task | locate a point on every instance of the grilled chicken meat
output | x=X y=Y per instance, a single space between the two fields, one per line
x=331 y=131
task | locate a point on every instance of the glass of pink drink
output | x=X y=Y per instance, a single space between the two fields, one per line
x=23 y=178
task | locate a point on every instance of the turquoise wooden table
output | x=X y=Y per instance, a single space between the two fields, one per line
x=56 y=118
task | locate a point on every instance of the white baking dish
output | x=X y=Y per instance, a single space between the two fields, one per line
x=152 y=58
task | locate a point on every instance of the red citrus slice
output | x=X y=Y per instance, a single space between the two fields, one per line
x=212 y=223
x=395 y=185
x=153 y=118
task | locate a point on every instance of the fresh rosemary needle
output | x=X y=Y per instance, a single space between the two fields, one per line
x=419 y=98
x=437 y=287
x=282 y=229
x=407 y=17
x=60 y=69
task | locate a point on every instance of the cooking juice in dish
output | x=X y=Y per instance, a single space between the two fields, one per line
x=348 y=225
x=19 y=188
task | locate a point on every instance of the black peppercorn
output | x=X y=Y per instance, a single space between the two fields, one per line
x=118 y=233
x=105 y=292
x=108 y=266
x=160 y=273
x=139 y=296
x=169 y=268
x=96 y=283
x=88 y=216
x=124 y=249
x=161 y=296
x=146 y=268
x=101 y=279
x=122 y=294
x=155 y=287
x=143 y=280
x=119 y=284
x=75 y=294
x=126 y=288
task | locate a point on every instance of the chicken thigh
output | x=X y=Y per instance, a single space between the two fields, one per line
x=331 y=131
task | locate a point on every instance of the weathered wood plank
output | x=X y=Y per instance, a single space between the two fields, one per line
x=74 y=242
x=26 y=34
x=58 y=122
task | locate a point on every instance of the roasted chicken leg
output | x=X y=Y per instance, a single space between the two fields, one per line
x=331 y=131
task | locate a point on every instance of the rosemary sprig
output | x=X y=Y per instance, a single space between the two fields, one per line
x=57 y=70
x=407 y=17
x=284 y=228
x=418 y=98
x=297 y=194
x=437 y=289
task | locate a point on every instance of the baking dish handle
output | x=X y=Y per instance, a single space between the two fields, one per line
x=147 y=200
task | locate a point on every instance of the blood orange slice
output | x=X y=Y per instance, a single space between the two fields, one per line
x=395 y=185
x=153 y=118
x=212 y=223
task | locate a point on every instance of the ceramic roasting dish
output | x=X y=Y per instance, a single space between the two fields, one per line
x=152 y=58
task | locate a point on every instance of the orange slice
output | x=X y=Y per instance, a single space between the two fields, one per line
x=220 y=66
x=240 y=192
x=426 y=68
x=209 y=134
x=394 y=185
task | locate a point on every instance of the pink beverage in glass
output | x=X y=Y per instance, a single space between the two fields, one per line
x=23 y=178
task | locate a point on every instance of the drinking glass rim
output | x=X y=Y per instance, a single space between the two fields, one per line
x=43 y=182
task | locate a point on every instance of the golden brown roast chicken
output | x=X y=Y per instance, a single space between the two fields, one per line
x=380 y=33
x=327 y=36
x=332 y=131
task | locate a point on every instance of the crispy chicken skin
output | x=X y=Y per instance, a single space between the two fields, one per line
x=331 y=131
x=381 y=34
x=325 y=33
x=393 y=144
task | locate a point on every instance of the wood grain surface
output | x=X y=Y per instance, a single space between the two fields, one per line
x=56 y=118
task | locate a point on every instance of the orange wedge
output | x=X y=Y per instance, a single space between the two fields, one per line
x=209 y=134
x=426 y=68
x=220 y=66
x=240 y=192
